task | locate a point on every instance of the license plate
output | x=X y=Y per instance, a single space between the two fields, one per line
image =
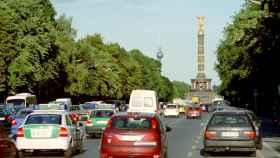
x=40 y=133
x=2 y=118
x=102 y=122
x=130 y=138
x=230 y=134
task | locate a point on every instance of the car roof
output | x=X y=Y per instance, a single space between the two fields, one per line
x=230 y=112
x=139 y=114
x=59 y=112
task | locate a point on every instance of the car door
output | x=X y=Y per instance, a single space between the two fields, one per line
x=72 y=130
x=163 y=135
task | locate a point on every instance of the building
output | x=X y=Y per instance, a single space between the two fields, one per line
x=201 y=86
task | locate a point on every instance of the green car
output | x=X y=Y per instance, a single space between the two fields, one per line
x=98 y=120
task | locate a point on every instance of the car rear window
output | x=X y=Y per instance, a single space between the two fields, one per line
x=74 y=108
x=131 y=123
x=229 y=119
x=44 y=119
x=88 y=106
x=103 y=113
x=148 y=102
x=172 y=106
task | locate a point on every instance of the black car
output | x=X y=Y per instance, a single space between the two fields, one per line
x=229 y=131
x=6 y=117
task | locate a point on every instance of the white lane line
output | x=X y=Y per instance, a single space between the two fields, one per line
x=259 y=154
x=275 y=153
x=189 y=154
x=193 y=147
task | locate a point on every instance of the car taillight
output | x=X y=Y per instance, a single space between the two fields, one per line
x=14 y=122
x=210 y=134
x=63 y=132
x=89 y=123
x=20 y=132
x=154 y=123
x=250 y=134
x=109 y=124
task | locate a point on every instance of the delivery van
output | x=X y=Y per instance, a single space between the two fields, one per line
x=143 y=101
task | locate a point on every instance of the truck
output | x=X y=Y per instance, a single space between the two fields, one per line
x=195 y=99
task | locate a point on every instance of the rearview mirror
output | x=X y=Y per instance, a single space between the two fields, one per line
x=168 y=129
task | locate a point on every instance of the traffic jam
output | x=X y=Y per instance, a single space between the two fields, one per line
x=133 y=130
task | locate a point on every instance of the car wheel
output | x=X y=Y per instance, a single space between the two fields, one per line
x=20 y=154
x=166 y=155
x=259 y=145
x=68 y=153
x=253 y=154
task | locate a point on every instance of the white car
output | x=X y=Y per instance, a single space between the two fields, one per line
x=171 y=110
x=46 y=130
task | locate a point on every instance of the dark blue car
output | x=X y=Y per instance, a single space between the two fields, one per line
x=19 y=118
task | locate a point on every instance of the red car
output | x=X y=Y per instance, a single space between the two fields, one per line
x=193 y=112
x=137 y=135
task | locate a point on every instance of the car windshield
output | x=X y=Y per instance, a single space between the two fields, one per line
x=88 y=106
x=16 y=102
x=103 y=113
x=131 y=123
x=44 y=119
x=229 y=119
x=23 y=113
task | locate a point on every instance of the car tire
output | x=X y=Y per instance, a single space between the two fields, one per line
x=68 y=153
x=20 y=154
x=259 y=145
x=253 y=154
x=166 y=155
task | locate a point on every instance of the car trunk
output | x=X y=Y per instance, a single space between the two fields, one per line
x=34 y=131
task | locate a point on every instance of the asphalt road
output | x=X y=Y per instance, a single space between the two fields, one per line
x=184 y=141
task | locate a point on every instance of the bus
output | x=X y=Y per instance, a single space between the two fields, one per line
x=22 y=100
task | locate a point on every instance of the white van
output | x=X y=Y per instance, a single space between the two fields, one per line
x=22 y=99
x=143 y=101
x=65 y=101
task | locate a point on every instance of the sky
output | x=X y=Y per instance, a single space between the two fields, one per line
x=149 y=24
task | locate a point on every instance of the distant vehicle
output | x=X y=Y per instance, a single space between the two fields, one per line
x=7 y=117
x=22 y=99
x=18 y=120
x=193 y=112
x=49 y=131
x=88 y=107
x=52 y=106
x=230 y=131
x=195 y=100
x=64 y=100
x=98 y=121
x=8 y=147
x=182 y=109
x=135 y=135
x=171 y=110
x=143 y=101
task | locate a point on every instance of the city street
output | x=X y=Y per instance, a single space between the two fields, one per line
x=185 y=141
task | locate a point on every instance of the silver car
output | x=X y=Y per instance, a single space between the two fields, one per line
x=229 y=131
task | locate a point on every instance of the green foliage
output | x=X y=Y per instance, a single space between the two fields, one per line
x=180 y=89
x=39 y=54
x=248 y=53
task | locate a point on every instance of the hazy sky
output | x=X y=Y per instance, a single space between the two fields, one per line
x=148 y=24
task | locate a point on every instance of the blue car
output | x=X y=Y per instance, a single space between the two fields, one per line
x=19 y=118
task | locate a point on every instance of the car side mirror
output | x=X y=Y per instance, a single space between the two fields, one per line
x=168 y=129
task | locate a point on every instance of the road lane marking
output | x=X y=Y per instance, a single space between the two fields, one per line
x=277 y=154
x=190 y=154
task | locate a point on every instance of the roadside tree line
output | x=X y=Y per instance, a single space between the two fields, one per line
x=40 y=54
x=248 y=57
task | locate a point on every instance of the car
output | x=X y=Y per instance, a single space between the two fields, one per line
x=88 y=107
x=7 y=145
x=257 y=125
x=171 y=110
x=143 y=101
x=98 y=121
x=135 y=135
x=193 y=112
x=182 y=109
x=18 y=120
x=49 y=130
x=230 y=130
x=7 y=117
